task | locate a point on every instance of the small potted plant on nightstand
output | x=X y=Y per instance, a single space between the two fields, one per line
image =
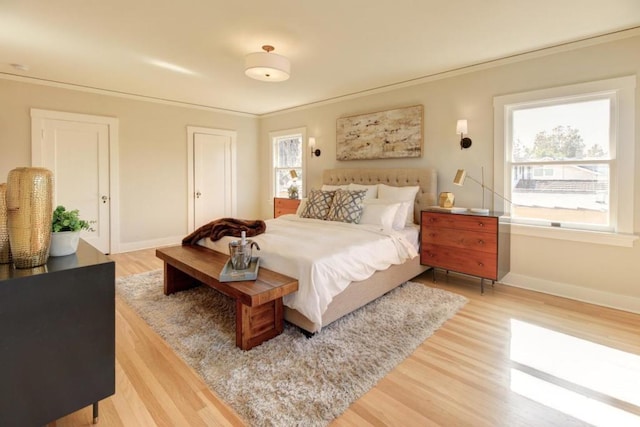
x=65 y=231
x=293 y=191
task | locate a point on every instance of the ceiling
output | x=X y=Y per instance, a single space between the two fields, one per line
x=192 y=51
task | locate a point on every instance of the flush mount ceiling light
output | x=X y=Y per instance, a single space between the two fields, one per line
x=267 y=66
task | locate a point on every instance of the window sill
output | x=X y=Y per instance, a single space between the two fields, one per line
x=597 y=237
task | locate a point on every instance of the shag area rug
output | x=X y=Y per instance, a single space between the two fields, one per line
x=290 y=380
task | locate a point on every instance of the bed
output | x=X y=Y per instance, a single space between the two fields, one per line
x=333 y=293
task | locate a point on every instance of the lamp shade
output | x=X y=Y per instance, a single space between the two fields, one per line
x=461 y=126
x=293 y=174
x=267 y=66
x=461 y=175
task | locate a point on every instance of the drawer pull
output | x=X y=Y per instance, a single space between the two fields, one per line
x=480 y=242
x=481 y=224
x=480 y=264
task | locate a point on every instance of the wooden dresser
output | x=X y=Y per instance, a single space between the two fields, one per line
x=474 y=244
x=282 y=206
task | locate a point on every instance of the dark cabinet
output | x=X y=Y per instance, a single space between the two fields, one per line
x=57 y=337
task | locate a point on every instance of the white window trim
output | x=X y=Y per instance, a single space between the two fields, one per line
x=625 y=116
x=283 y=133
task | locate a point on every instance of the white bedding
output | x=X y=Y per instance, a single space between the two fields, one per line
x=325 y=256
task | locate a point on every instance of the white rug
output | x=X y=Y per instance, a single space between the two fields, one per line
x=290 y=380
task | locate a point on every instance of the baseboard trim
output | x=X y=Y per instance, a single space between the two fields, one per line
x=147 y=244
x=579 y=293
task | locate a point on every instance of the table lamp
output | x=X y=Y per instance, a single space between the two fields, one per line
x=459 y=179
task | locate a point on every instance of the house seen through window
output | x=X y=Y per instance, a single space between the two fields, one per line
x=561 y=162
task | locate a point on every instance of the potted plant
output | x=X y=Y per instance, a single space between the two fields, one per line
x=65 y=231
x=293 y=191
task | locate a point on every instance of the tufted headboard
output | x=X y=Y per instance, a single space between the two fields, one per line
x=426 y=179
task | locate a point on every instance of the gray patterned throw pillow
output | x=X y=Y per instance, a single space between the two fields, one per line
x=347 y=206
x=318 y=204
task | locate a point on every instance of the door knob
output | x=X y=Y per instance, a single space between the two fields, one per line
x=198 y=194
x=104 y=199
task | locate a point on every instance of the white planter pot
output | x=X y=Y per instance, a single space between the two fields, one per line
x=64 y=243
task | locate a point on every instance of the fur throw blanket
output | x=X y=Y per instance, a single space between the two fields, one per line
x=219 y=228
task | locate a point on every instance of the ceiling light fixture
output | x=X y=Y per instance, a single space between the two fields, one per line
x=266 y=66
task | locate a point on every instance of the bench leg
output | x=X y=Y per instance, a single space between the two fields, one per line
x=176 y=280
x=255 y=325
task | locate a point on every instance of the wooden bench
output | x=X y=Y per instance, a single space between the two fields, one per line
x=259 y=310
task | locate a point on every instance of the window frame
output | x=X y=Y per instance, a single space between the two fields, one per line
x=286 y=133
x=622 y=94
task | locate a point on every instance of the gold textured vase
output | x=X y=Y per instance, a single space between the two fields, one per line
x=5 y=251
x=446 y=200
x=29 y=214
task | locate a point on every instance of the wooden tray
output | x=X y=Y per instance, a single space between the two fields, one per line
x=228 y=274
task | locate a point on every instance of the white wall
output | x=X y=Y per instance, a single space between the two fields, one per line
x=152 y=154
x=153 y=159
x=598 y=273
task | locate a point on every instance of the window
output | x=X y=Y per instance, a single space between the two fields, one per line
x=288 y=149
x=561 y=162
x=563 y=155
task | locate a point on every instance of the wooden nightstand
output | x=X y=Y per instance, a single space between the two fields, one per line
x=474 y=244
x=282 y=206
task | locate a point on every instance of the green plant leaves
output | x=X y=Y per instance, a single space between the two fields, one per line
x=64 y=220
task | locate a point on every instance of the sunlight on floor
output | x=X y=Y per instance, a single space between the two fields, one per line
x=586 y=380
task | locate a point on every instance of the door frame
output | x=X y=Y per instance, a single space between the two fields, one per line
x=191 y=131
x=38 y=117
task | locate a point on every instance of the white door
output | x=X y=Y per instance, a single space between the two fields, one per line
x=212 y=177
x=77 y=150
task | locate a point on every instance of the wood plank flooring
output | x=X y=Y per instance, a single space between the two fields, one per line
x=463 y=375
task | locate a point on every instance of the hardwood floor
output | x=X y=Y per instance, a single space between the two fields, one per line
x=471 y=372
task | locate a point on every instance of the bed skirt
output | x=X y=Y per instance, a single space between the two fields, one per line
x=358 y=294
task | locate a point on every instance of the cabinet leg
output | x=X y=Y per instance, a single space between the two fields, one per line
x=95 y=413
x=433 y=271
x=481 y=286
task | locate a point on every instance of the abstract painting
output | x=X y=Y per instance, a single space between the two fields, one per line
x=389 y=134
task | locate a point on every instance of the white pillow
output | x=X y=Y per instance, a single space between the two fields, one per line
x=326 y=187
x=372 y=190
x=400 y=194
x=382 y=213
x=404 y=212
x=303 y=202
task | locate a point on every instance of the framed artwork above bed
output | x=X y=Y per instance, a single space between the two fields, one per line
x=389 y=134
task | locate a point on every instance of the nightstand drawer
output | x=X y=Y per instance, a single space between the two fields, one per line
x=465 y=222
x=465 y=239
x=282 y=206
x=476 y=263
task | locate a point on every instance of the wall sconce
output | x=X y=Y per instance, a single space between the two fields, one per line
x=461 y=128
x=314 y=151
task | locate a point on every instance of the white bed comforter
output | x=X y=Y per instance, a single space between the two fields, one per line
x=324 y=256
